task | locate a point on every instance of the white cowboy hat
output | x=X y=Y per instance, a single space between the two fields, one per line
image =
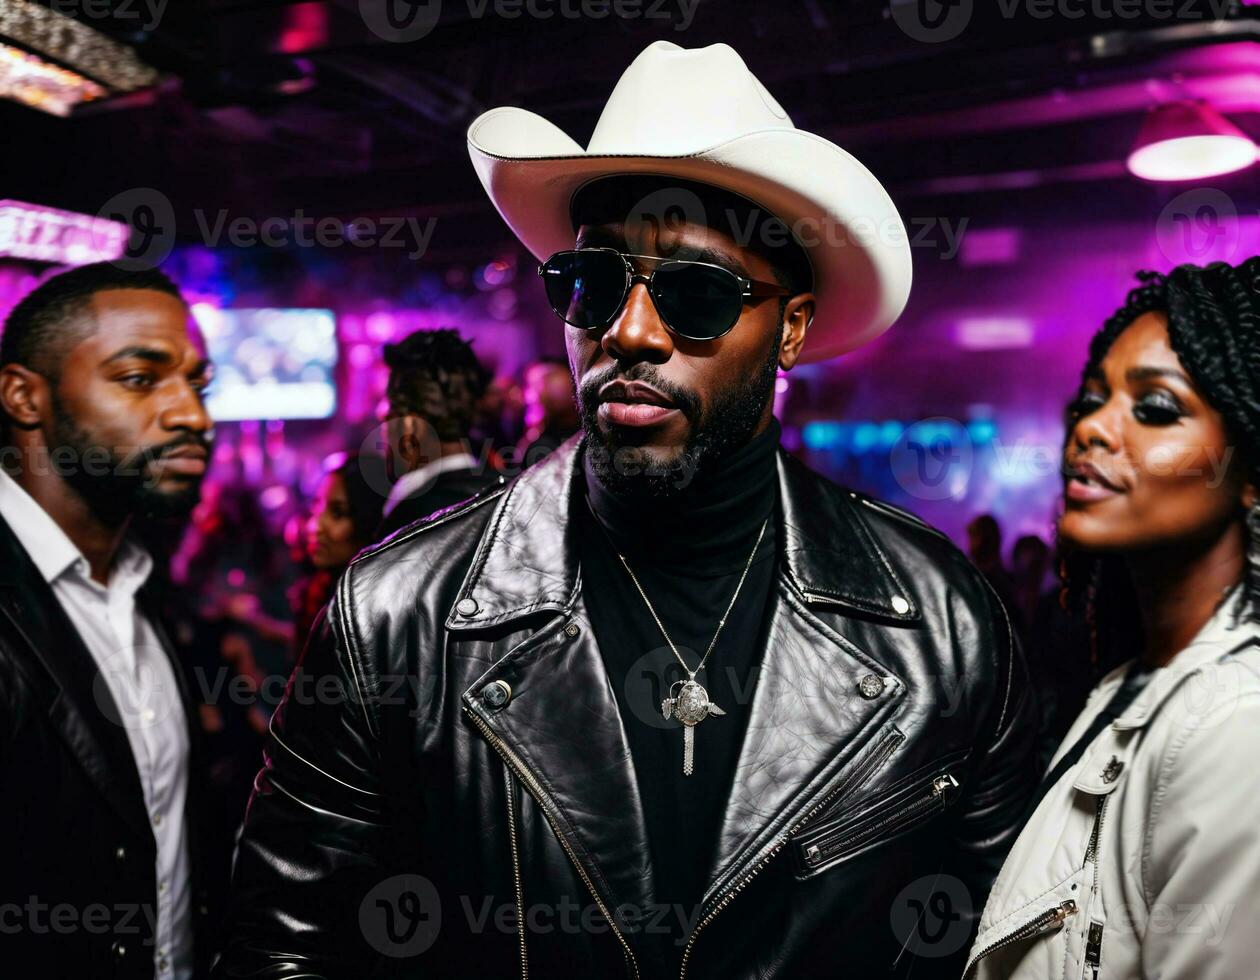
x=702 y=115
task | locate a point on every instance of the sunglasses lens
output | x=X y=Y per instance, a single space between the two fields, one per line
x=585 y=288
x=698 y=302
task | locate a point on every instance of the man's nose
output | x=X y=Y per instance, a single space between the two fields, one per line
x=638 y=333
x=187 y=410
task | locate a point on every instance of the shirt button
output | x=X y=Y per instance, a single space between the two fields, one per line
x=148 y=714
x=162 y=888
x=157 y=820
x=163 y=964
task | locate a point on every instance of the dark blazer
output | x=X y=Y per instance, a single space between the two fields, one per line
x=78 y=852
x=447 y=489
x=467 y=768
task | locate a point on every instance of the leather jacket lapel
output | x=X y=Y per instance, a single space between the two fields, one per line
x=560 y=730
x=819 y=701
x=84 y=711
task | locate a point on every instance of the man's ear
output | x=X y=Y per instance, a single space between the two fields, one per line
x=24 y=395
x=798 y=313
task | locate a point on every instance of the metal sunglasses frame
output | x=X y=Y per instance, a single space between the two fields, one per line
x=749 y=288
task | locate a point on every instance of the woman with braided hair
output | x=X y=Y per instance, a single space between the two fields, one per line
x=1139 y=858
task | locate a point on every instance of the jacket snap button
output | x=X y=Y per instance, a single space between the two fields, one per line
x=900 y=605
x=120 y=853
x=119 y=951
x=496 y=694
x=870 y=687
x=571 y=629
x=466 y=607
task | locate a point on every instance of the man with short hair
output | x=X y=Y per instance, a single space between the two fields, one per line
x=101 y=389
x=435 y=380
x=668 y=704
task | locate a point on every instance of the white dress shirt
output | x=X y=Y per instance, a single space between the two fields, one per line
x=141 y=681
x=414 y=480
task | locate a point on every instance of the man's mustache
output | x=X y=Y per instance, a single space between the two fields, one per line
x=151 y=454
x=684 y=399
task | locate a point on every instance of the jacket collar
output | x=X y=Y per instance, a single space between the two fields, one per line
x=562 y=730
x=829 y=554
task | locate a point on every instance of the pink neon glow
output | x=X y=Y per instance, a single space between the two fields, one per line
x=31 y=231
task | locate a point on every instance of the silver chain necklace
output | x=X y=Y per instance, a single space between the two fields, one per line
x=691 y=704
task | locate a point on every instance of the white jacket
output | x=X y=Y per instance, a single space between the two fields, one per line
x=1143 y=860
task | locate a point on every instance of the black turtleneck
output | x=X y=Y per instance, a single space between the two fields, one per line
x=687 y=553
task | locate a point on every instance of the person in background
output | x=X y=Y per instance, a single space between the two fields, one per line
x=343 y=520
x=1030 y=560
x=101 y=766
x=551 y=413
x=984 y=548
x=435 y=381
x=1140 y=858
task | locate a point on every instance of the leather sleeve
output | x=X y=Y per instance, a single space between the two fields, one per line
x=992 y=813
x=316 y=827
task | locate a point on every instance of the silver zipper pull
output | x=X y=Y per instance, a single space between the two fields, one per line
x=943 y=784
x=1056 y=917
x=1093 y=946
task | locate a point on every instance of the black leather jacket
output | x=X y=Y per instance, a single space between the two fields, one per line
x=465 y=767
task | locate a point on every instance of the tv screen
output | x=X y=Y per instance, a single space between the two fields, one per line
x=270 y=363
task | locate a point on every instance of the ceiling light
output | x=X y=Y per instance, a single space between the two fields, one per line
x=1189 y=141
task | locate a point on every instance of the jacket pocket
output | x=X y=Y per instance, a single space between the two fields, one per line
x=875 y=821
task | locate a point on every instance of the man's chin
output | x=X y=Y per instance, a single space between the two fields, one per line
x=169 y=499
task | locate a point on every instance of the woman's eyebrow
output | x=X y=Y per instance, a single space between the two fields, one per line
x=1150 y=372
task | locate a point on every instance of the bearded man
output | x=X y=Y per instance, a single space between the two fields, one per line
x=668 y=703
x=108 y=868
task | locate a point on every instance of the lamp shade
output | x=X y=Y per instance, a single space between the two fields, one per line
x=1189 y=141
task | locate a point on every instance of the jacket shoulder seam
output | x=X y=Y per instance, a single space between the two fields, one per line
x=354 y=653
x=428 y=523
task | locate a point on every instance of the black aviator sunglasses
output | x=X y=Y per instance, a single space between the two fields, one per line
x=696 y=300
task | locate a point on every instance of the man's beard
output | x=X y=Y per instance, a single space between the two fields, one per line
x=628 y=470
x=118 y=484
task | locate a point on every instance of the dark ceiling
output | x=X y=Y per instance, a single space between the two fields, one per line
x=270 y=107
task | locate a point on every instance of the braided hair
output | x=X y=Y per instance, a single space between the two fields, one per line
x=435 y=374
x=1214 y=328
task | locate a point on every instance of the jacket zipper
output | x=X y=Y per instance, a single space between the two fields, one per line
x=1094 y=937
x=516 y=871
x=1048 y=920
x=539 y=794
x=828 y=847
x=881 y=752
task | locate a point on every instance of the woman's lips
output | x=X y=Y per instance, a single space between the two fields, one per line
x=1082 y=491
x=634 y=413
